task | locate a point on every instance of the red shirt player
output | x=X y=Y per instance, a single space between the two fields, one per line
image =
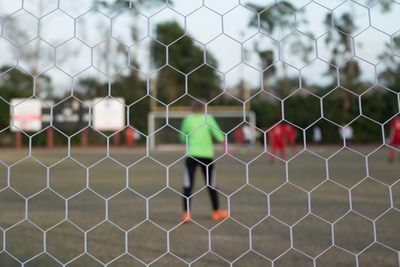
x=238 y=135
x=276 y=139
x=290 y=134
x=129 y=136
x=394 y=136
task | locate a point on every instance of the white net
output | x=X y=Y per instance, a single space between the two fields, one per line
x=307 y=170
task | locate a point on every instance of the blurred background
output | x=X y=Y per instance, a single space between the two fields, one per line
x=102 y=82
x=325 y=63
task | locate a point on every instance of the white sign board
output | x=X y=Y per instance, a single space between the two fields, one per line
x=25 y=114
x=108 y=114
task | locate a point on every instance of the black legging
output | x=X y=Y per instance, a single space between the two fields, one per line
x=188 y=183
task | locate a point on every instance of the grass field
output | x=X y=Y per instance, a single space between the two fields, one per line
x=340 y=209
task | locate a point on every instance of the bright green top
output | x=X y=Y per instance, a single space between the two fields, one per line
x=200 y=134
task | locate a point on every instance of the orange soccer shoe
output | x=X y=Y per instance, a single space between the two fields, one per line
x=219 y=215
x=185 y=217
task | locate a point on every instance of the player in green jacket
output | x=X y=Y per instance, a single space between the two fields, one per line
x=198 y=132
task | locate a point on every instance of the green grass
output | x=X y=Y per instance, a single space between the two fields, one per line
x=127 y=209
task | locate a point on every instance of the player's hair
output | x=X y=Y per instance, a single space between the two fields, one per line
x=198 y=105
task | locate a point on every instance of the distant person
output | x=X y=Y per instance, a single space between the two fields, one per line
x=130 y=136
x=346 y=133
x=247 y=135
x=290 y=133
x=238 y=135
x=276 y=138
x=199 y=130
x=394 y=139
x=317 y=135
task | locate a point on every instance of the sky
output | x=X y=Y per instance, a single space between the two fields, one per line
x=220 y=27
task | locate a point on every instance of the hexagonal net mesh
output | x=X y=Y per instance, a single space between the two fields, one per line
x=283 y=118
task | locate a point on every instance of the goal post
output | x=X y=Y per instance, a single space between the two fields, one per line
x=227 y=120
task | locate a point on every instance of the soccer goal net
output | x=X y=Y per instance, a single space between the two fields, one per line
x=305 y=92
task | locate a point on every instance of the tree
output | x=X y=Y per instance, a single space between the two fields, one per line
x=121 y=4
x=271 y=20
x=19 y=34
x=351 y=73
x=185 y=56
x=128 y=84
x=13 y=84
x=342 y=44
x=389 y=77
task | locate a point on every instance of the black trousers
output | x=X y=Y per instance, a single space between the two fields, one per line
x=207 y=169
